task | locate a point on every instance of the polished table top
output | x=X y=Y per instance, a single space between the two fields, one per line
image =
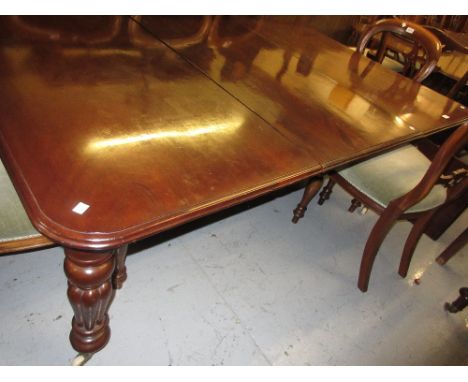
x=153 y=126
x=340 y=104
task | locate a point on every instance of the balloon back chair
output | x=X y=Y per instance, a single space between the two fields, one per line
x=410 y=45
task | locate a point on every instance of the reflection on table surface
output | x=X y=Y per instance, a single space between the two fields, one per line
x=221 y=109
x=307 y=84
x=135 y=132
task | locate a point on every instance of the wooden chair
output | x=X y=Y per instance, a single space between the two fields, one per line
x=16 y=231
x=462 y=301
x=408 y=43
x=402 y=184
x=460 y=241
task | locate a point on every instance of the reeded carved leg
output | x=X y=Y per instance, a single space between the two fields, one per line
x=327 y=190
x=376 y=237
x=90 y=293
x=460 y=303
x=313 y=186
x=354 y=204
x=120 y=273
x=415 y=234
x=453 y=248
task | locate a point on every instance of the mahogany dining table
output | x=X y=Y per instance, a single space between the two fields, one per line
x=114 y=129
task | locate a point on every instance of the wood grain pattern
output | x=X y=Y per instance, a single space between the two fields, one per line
x=132 y=130
x=243 y=107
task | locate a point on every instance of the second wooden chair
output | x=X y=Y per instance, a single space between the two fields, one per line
x=402 y=184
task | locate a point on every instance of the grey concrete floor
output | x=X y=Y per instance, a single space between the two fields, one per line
x=248 y=287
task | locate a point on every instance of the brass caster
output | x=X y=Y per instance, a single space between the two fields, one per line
x=364 y=210
x=81 y=359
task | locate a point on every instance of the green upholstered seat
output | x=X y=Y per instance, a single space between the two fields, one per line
x=14 y=223
x=392 y=65
x=393 y=174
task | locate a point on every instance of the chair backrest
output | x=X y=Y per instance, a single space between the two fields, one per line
x=411 y=33
x=457 y=181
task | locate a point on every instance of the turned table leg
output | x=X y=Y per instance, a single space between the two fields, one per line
x=90 y=293
x=120 y=273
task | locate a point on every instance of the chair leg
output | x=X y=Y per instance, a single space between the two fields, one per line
x=456 y=88
x=327 y=190
x=460 y=303
x=354 y=204
x=453 y=248
x=313 y=186
x=376 y=237
x=415 y=234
